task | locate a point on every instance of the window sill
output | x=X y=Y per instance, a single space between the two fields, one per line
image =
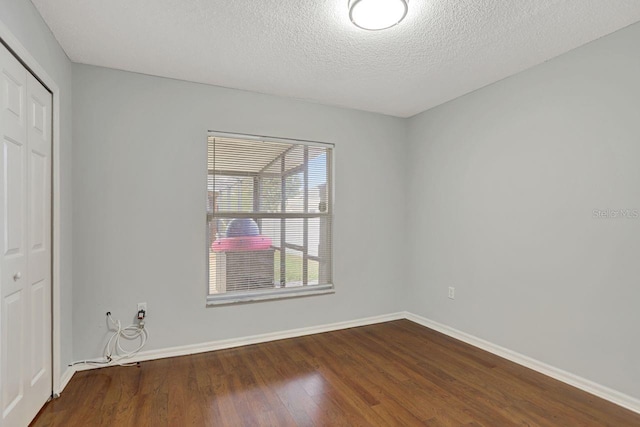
x=265 y=295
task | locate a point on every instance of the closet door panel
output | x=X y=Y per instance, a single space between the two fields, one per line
x=39 y=243
x=13 y=238
x=25 y=243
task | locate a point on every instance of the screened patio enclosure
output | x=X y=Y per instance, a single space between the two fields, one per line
x=268 y=215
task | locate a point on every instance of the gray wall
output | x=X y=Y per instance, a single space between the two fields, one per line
x=25 y=23
x=139 y=207
x=502 y=187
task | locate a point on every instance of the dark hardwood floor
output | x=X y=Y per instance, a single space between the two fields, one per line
x=395 y=373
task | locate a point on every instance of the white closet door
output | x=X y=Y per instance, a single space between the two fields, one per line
x=25 y=240
x=39 y=346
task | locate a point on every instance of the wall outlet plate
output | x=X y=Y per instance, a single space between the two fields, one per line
x=452 y=292
x=142 y=306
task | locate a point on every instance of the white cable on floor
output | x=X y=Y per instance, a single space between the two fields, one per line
x=114 y=352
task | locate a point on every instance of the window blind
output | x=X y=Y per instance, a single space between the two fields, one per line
x=269 y=218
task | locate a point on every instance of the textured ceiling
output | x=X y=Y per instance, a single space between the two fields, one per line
x=309 y=49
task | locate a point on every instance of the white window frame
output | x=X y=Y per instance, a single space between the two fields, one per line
x=277 y=293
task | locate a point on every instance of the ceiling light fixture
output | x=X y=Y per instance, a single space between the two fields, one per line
x=377 y=14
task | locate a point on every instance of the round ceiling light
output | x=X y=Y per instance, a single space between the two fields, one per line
x=377 y=14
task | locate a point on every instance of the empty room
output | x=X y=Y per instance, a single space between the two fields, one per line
x=320 y=213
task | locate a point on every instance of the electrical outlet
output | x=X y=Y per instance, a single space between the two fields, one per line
x=452 y=292
x=142 y=306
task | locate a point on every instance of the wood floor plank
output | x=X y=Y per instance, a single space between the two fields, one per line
x=391 y=374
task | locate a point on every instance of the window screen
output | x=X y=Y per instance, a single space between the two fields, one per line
x=269 y=216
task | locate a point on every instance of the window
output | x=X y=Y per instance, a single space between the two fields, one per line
x=269 y=216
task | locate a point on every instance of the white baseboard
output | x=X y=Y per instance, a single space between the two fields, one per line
x=64 y=380
x=239 y=342
x=596 y=389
